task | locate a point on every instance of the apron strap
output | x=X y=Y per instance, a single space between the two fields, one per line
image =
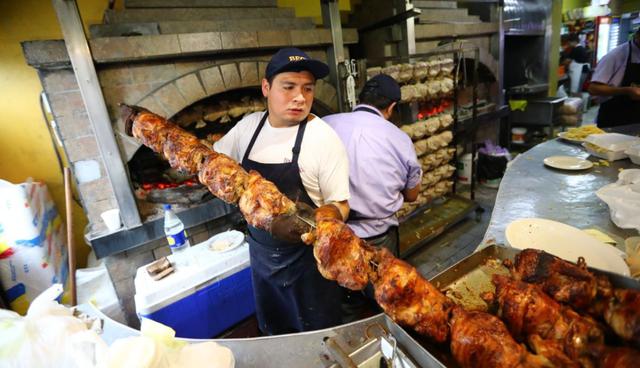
x=367 y=109
x=298 y=144
x=255 y=136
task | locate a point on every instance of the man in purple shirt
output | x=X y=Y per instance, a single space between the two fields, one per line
x=383 y=173
x=617 y=80
x=383 y=168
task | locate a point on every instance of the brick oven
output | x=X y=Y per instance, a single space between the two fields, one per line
x=181 y=62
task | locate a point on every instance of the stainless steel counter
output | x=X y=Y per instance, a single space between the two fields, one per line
x=530 y=189
x=304 y=349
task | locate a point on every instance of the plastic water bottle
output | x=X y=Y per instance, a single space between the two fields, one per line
x=176 y=236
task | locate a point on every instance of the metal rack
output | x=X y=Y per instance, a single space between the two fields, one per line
x=451 y=209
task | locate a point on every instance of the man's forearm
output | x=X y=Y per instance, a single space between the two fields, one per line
x=599 y=89
x=337 y=210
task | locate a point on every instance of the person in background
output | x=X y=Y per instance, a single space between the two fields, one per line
x=306 y=160
x=575 y=51
x=577 y=60
x=617 y=81
x=383 y=171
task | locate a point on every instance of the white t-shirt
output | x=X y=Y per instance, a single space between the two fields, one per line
x=323 y=161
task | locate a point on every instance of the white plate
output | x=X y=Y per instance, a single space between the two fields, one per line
x=568 y=163
x=563 y=136
x=566 y=242
x=225 y=241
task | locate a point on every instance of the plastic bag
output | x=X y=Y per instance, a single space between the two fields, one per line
x=48 y=336
x=158 y=348
x=32 y=245
x=623 y=199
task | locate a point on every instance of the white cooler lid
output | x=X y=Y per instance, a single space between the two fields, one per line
x=206 y=267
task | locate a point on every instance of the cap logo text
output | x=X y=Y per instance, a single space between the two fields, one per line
x=296 y=58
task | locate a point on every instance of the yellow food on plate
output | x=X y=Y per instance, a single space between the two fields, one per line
x=582 y=132
x=220 y=245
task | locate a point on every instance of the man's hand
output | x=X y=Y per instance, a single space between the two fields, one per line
x=634 y=93
x=333 y=210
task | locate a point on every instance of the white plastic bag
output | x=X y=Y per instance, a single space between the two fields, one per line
x=623 y=199
x=48 y=336
x=32 y=247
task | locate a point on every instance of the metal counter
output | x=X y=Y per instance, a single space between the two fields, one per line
x=305 y=349
x=531 y=189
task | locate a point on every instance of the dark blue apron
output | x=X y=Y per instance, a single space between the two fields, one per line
x=291 y=295
x=621 y=110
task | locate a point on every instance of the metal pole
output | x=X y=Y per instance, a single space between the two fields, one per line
x=335 y=53
x=84 y=69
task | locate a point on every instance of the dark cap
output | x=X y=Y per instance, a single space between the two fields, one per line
x=295 y=60
x=385 y=86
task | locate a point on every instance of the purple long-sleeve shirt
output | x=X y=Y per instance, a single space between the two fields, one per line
x=382 y=164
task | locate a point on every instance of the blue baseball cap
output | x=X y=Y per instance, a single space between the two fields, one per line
x=385 y=86
x=291 y=59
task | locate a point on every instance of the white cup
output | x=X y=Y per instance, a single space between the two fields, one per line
x=111 y=218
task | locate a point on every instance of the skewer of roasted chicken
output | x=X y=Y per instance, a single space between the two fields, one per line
x=341 y=256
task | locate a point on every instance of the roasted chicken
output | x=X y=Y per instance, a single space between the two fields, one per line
x=623 y=315
x=341 y=255
x=261 y=201
x=528 y=311
x=409 y=298
x=582 y=289
x=618 y=357
x=224 y=177
x=149 y=128
x=480 y=340
x=564 y=281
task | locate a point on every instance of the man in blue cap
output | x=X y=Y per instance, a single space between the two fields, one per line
x=306 y=160
x=383 y=169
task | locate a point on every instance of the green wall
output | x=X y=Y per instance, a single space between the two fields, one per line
x=574 y=4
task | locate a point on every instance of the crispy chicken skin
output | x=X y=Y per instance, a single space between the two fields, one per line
x=563 y=281
x=409 y=298
x=527 y=311
x=623 y=315
x=341 y=255
x=261 y=201
x=223 y=176
x=481 y=340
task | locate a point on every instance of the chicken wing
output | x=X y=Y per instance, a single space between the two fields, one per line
x=479 y=340
x=409 y=298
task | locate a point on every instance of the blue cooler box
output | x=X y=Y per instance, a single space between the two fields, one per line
x=203 y=299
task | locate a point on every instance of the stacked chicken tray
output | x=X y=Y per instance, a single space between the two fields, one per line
x=430 y=85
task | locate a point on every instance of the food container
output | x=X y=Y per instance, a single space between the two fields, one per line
x=518 y=134
x=634 y=153
x=610 y=146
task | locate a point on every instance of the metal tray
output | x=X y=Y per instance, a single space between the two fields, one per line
x=464 y=281
x=467 y=279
